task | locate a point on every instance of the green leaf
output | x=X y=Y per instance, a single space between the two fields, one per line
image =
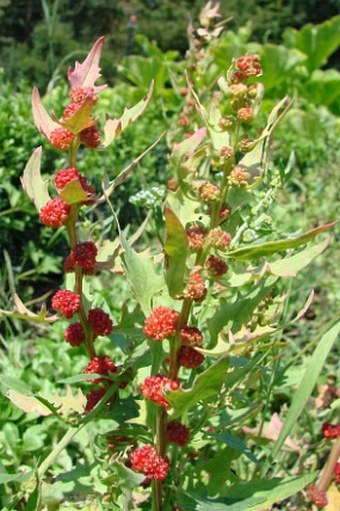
x=185 y=149
x=290 y=266
x=205 y=385
x=42 y=120
x=307 y=384
x=318 y=42
x=271 y=247
x=113 y=127
x=73 y=192
x=256 y=495
x=35 y=187
x=21 y=311
x=235 y=443
x=140 y=272
x=277 y=63
x=81 y=119
x=176 y=251
x=18 y=478
x=236 y=314
x=34 y=438
x=323 y=88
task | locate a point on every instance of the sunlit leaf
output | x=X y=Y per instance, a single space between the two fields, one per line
x=176 y=250
x=32 y=182
x=205 y=385
x=113 y=127
x=42 y=120
x=81 y=119
x=73 y=192
x=271 y=247
x=20 y=311
x=86 y=73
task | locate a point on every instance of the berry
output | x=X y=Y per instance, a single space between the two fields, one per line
x=55 y=213
x=319 y=498
x=195 y=290
x=216 y=266
x=249 y=65
x=189 y=358
x=161 y=323
x=71 y=109
x=219 y=238
x=93 y=398
x=79 y=94
x=177 y=433
x=100 y=365
x=190 y=335
x=330 y=430
x=245 y=114
x=239 y=177
x=90 y=137
x=100 y=322
x=207 y=191
x=195 y=236
x=61 y=138
x=84 y=255
x=153 y=388
x=66 y=302
x=74 y=334
x=146 y=460
x=65 y=176
x=337 y=473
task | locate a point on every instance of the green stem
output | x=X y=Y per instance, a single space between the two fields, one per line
x=156 y=495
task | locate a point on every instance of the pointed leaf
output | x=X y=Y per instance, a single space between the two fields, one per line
x=140 y=272
x=176 y=251
x=290 y=266
x=20 y=311
x=205 y=385
x=73 y=192
x=187 y=147
x=32 y=182
x=235 y=443
x=308 y=381
x=81 y=119
x=86 y=73
x=113 y=127
x=42 y=120
x=271 y=247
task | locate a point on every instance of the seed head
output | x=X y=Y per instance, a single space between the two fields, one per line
x=319 y=498
x=154 y=388
x=90 y=137
x=330 y=430
x=216 y=266
x=55 y=213
x=190 y=335
x=93 y=398
x=146 y=460
x=219 y=238
x=74 y=334
x=189 y=358
x=177 y=433
x=66 y=302
x=161 y=323
x=100 y=365
x=100 y=322
x=84 y=255
x=195 y=236
x=61 y=138
x=195 y=289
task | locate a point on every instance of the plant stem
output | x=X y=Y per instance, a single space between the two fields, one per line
x=328 y=472
x=156 y=487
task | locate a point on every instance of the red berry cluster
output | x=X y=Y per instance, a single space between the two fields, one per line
x=74 y=334
x=93 y=397
x=196 y=236
x=195 y=290
x=61 y=138
x=154 y=388
x=219 y=238
x=55 y=213
x=100 y=322
x=65 y=176
x=90 y=137
x=319 y=498
x=177 y=433
x=190 y=358
x=216 y=266
x=330 y=430
x=161 y=323
x=190 y=335
x=249 y=65
x=66 y=302
x=100 y=365
x=146 y=460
